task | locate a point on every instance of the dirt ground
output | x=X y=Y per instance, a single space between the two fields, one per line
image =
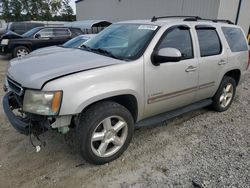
x=200 y=149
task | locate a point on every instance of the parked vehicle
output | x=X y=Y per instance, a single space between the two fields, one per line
x=134 y=73
x=76 y=42
x=3 y=26
x=19 y=27
x=89 y=26
x=39 y=37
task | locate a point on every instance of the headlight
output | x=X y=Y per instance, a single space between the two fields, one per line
x=42 y=102
x=5 y=42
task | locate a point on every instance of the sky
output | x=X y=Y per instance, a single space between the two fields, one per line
x=72 y=3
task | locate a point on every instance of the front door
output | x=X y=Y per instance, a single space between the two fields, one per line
x=172 y=84
x=43 y=38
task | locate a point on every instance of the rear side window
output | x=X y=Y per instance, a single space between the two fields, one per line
x=76 y=31
x=61 y=32
x=179 y=38
x=209 y=42
x=235 y=39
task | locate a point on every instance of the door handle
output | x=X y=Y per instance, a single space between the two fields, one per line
x=222 y=62
x=191 y=69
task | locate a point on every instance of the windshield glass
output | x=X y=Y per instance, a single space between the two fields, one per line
x=123 y=41
x=31 y=32
x=75 y=42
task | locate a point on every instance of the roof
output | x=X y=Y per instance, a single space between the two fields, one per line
x=88 y=24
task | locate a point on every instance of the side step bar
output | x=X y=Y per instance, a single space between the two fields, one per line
x=172 y=114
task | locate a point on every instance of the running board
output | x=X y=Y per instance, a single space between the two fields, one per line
x=172 y=114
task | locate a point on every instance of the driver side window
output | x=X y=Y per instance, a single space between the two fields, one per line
x=179 y=38
x=46 y=33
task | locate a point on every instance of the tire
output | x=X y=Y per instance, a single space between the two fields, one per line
x=97 y=119
x=20 y=51
x=221 y=103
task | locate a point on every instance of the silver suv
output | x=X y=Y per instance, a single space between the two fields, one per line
x=134 y=73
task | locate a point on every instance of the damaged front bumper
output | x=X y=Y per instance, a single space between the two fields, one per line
x=22 y=122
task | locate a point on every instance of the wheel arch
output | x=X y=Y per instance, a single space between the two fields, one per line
x=27 y=45
x=235 y=74
x=129 y=101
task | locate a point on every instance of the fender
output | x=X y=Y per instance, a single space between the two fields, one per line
x=85 y=88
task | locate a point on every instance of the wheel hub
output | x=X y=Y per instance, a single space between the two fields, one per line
x=109 y=135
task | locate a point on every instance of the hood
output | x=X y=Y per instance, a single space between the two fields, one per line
x=11 y=35
x=47 y=50
x=33 y=71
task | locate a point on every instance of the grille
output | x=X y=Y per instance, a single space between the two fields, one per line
x=15 y=87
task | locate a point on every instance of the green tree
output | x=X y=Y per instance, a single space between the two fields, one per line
x=16 y=8
x=67 y=11
x=6 y=10
x=25 y=10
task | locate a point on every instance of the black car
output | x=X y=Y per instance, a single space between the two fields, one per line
x=21 y=45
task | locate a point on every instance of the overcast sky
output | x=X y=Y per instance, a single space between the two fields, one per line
x=73 y=5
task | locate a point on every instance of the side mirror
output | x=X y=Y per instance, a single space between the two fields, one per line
x=165 y=55
x=37 y=36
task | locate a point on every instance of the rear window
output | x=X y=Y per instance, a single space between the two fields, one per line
x=209 y=42
x=235 y=39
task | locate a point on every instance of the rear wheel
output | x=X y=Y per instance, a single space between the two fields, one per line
x=225 y=94
x=21 y=51
x=104 y=132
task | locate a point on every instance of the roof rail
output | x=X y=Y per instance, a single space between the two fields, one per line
x=192 y=18
x=218 y=20
x=162 y=17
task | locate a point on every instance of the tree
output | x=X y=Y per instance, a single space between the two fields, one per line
x=15 y=8
x=24 y=10
x=67 y=10
x=6 y=10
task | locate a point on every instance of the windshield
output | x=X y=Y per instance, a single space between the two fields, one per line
x=122 y=41
x=75 y=42
x=31 y=32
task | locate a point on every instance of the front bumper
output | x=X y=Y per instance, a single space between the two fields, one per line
x=4 y=49
x=28 y=123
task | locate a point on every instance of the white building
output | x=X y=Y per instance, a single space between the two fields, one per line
x=238 y=11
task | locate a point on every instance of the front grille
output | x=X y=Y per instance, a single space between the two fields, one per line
x=15 y=87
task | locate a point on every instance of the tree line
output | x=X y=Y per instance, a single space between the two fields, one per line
x=42 y=10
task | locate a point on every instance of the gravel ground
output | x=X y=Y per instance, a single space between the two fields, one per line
x=200 y=149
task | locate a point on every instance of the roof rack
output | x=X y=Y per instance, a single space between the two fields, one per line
x=162 y=17
x=212 y=20
x=192 y=18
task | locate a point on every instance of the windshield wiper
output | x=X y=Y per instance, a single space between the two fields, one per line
x=100 y=51
x=86 y=47
x=105 y=52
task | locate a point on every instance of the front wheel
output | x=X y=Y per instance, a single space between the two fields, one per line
x=20 y=51
x=104 y=132
x=225 y=94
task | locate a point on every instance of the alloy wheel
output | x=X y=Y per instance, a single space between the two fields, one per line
x=109 y=136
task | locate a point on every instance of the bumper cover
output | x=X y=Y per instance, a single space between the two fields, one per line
x=26 y=125
x=4 y=49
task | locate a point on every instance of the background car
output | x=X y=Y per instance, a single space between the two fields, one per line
x=21 y=45
x=76 y=42
x=19 y=27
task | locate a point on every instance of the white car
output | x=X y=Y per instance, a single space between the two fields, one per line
x=133 y=73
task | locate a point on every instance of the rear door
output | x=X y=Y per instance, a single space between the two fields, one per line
x=212 y=60
x=60 y=36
